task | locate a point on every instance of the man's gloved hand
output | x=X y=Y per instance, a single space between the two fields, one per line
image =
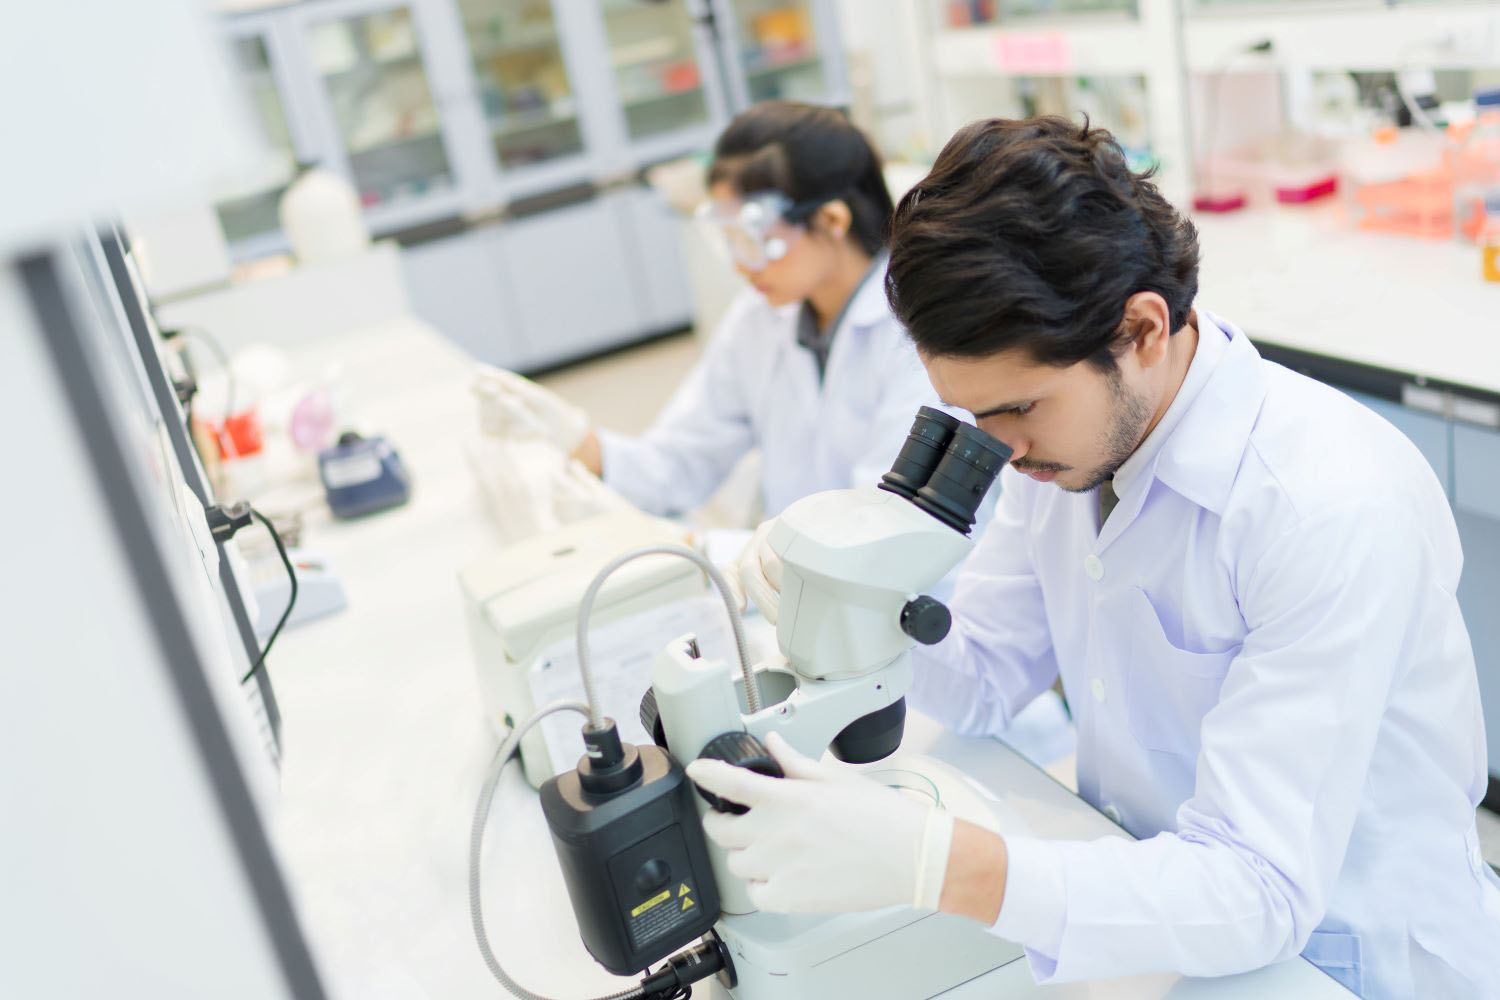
x=756 y=575
x=511 y=406
x=826 y=839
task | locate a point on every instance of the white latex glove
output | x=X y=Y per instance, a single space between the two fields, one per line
x=577 y=493
x=511 y=406
x=826 y=839
x=515 y=478
x=756 y=576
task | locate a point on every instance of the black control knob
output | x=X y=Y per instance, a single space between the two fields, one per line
x=926 y=619
x=654 y=874
x=651 y=719
x=742 y=750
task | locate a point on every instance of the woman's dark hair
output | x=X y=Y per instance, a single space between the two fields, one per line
x=812 y=155
x=1033 y=234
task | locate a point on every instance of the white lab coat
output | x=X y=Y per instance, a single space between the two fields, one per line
x=756 y=387
x=1273 y=688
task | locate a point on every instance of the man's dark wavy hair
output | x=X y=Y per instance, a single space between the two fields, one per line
x=1033 y=234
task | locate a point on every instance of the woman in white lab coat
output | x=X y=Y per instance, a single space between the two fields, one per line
x=807 y=365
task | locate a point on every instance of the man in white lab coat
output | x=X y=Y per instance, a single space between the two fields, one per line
x=1244 y=579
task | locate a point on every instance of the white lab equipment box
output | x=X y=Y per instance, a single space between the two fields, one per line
x=522 y=610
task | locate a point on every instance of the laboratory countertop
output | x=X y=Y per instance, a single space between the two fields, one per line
x=385 y=746
x=1301 y=277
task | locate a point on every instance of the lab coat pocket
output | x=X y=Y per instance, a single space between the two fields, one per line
x=1168 y=690
x=1337 y=954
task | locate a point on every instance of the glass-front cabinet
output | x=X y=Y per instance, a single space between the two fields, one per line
x=248 y=213
x=779 y=50
x=657 y=69
x=441 y=111
x=530 y=110
x=371 y=70
x=500 y=143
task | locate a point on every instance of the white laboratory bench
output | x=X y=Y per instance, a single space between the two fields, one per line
x=385 y=746
x=1303 y=278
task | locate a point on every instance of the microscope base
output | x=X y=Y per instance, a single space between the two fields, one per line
x=899 y=952
x=896 y=954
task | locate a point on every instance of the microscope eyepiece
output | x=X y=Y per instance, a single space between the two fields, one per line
x=967 y=471
x=946 y=467
x=919 y=456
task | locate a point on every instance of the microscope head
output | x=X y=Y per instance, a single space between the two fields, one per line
x=856 y=563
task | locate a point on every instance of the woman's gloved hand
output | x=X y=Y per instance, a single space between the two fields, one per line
x=514 y=407
x=826 y=839
x=577 y=493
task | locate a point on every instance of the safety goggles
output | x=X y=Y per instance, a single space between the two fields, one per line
x=756 y=230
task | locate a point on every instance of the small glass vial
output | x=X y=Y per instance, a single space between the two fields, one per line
x=1489 y=236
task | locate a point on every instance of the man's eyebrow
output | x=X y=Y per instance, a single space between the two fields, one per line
x=995 y=411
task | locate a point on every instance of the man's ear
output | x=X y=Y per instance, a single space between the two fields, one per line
x=1148 y=328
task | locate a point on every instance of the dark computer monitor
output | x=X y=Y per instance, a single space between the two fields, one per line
x=129 y=291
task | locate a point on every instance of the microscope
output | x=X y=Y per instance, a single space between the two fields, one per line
x=856 y=566
x=626 y=824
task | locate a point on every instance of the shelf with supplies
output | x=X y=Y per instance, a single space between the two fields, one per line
x=645 y=53
x=1118 y=65
x=425 y=130
x=1193 y=65
x=558 y=112
x=511 y=46
x=785 y=65
x=1094 y=44
x=1308 y=35
x=386 y=63
x=1358 y=36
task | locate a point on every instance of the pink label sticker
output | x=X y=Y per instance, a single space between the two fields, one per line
x=1032 y=52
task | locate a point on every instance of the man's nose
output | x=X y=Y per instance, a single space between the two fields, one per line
x=1018 y=445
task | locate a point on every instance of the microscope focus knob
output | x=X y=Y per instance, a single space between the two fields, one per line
x=742 y=750
x=651 y=719
x=926 y=619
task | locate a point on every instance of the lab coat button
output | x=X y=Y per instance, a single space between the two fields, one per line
x=1098 y=688
x=1113 y=813
x=1094 y=567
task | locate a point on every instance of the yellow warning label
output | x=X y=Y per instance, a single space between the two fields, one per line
x=687 y=904
x=660 y=897
x=683 y=890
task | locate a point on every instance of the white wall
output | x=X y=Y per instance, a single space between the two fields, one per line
x=111 y=105
x=119 y=876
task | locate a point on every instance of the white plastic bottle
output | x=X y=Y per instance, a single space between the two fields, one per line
x=321 y=216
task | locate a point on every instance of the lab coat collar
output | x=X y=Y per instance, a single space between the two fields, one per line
x=1202 y=457
x=1196 y=449
x=1211 y=345
x=868 y=307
